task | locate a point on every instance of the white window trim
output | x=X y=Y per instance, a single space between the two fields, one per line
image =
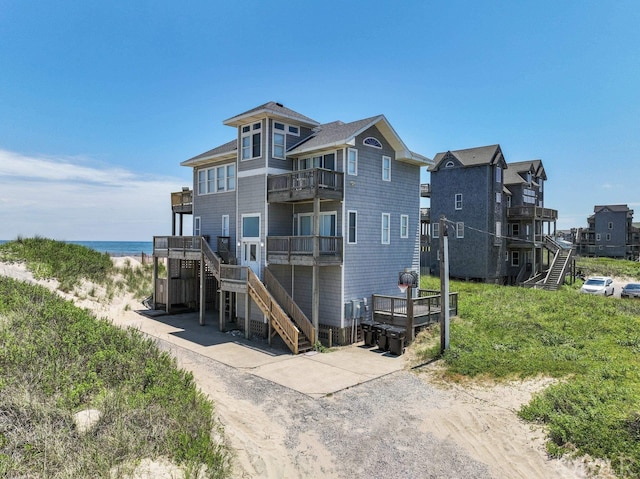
x=322 y=213
x=284 y=144
x=205 y=171
x=610 y=225
x=225 y=227
x=385 y=233
x=251 y=215
x=386 y=159
x=197 y=226
x=355 y=163
x=460 y=229
x=435 y=230
x=404 y=226
x=449 y=164
x=598 y=236
x=515 y=258
x=455 y=201
x=375 y=143
x=355 y=232
x=254 y=129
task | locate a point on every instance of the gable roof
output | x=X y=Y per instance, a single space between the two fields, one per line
x=227 y=150
x=482 y=155
x=614 y=209
x=271 y=109
x=339 y=134
x=534 y=166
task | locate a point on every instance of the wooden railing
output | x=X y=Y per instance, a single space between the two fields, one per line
x=270 y=307
x=290 y=306
x=532 y=212
x=288 y=246
x=428 y=301
x=306 y=184
x=212 y=259
x=425 y=190
x=182 y=202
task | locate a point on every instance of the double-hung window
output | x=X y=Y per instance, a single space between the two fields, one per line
x=352 y=161
x=515 y=258
x=458 y=201
x=217 y=179
x=460 y=229
x=436 y=230
x=386 y=168
x=251 y=141
x=386 y=231
x=278 y=139
x=352 y=237
x=404 y=226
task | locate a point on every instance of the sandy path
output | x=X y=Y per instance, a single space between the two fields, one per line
x=408 y=424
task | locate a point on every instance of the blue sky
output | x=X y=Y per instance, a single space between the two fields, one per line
x=101 y=101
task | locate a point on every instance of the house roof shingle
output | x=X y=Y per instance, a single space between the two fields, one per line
x=482 y=155
x=223 y=151
x=271 y=108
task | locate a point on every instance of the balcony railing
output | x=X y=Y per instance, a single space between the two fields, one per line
x=182 y=201
x=425 y=215
x=425 y=190
x=300 y=250
x=532 y=212
x=305 y=185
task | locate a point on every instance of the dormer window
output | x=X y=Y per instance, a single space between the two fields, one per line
x=373 y=142
x=251 y=141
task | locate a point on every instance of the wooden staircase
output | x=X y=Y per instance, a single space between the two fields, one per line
x=285 y=317
x=554 y=277
x=279 y=321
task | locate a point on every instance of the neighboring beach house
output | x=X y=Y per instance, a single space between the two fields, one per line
x=610 y=233
x=495 y=219
x=298 y=223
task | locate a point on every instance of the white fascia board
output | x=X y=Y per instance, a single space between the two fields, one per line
x=209 y=159
x=327 y=146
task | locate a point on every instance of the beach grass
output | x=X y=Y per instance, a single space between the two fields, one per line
x=591 y=344
x=57 y=360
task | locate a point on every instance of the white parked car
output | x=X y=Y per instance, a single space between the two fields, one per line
x=598 y=285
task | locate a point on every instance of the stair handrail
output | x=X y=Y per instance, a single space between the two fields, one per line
x=212 y=258
x=270 y=307
x=551 y=244
x=290 y=306
x=562 y=266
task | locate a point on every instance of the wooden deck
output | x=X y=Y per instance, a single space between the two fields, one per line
x=393 y=310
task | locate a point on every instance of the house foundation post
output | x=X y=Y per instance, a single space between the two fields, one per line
x=203 y=281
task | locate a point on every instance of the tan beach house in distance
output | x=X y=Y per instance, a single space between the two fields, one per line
x=297 y=225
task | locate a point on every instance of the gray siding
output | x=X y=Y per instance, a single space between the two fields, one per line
x=615 y=247
x=251 y=199
x=210 y=208
x=370 y=266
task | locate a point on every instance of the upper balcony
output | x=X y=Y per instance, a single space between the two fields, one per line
x=305 y=185
x=425 y=190
x=182 y=201
x=304 y=250
x=531 y=212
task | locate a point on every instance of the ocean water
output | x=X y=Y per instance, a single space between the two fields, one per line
x=116 y=248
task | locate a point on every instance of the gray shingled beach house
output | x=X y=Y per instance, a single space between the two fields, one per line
x=496 y=219
x=296 y=225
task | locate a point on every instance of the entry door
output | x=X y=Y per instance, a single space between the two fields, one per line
x=251 y=255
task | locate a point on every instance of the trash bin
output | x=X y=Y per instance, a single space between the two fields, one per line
x=381 y=331
x=395 y=340
x=369 y=334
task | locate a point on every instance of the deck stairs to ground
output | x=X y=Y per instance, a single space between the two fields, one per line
x=285 y=317
x=554 y=277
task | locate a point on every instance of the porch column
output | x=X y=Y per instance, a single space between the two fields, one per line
x=155 y=282
x=315 y=284
x=247 y=314
x=203 y=281
x=221 y=305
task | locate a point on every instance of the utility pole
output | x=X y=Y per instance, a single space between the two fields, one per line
x=444 y=286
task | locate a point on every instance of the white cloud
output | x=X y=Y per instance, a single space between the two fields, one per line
x=71 y=199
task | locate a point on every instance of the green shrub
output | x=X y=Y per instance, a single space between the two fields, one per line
x=56 y=359
x=592 y=344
